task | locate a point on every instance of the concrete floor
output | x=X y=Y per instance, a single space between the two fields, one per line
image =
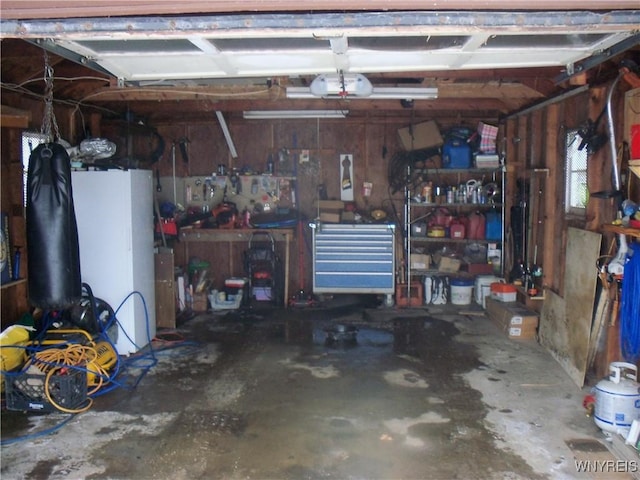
x=424 y=393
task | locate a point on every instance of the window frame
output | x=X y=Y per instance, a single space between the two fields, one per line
x=575 y=159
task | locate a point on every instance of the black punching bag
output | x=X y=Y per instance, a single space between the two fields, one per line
x=52 y=233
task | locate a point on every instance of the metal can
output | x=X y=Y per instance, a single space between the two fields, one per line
x=426 y=193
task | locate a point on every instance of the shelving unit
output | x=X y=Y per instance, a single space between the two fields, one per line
x=418 y=210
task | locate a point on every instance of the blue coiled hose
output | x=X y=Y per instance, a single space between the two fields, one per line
x=630 y=306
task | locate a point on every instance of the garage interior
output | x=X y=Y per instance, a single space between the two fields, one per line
x=392 y=241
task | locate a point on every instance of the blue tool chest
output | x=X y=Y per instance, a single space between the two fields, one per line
x=353 y=258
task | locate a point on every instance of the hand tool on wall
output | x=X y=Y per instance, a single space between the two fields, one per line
x=182 y=143
x=173 y=169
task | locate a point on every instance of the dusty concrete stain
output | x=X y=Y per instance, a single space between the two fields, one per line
x=328 y=371
x=402 y=426
x=405 y=378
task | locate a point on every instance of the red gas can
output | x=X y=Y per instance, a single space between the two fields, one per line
x=476 y=226
x=457 y=230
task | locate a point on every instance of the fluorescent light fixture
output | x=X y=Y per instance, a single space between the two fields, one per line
x=271 y=114
x=378 y=93
x=405 y=93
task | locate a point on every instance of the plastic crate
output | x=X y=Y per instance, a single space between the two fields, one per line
x=25 y=391
x=415 y=292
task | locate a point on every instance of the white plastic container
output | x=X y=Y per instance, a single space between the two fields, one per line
x=461 y=291
x=618 y=399
x=435 y=290
x=504 y=292
x=482 y=288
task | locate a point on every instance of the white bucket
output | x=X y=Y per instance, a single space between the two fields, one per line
x=483 y=288
x=461 y=292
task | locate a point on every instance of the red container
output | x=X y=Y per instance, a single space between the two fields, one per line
x=457 y=230
x=415 y=292
x=635 y=141
x=476 y=226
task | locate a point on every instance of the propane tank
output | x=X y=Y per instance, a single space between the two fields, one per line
x=618 y=399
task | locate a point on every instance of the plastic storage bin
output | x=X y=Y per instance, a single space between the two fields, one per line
x=25 y=392
x=504 y=292
x=415 y=292
x=221 y=300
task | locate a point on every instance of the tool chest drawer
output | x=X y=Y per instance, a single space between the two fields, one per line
x=353 y=258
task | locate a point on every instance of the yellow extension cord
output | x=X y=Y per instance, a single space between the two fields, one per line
x=52 y=360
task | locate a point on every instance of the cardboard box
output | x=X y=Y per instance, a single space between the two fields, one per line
x=449 y=265
x=330 y=210
x=532 y=303
x=480 y=268
x=420 y=261
x=200 y=302
x=513 y=319
x=487 y=161
x=425 y=135
x=330 y=205
x=348 y=216
x=330 y=217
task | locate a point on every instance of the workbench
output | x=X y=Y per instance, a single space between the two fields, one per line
x=235 y=235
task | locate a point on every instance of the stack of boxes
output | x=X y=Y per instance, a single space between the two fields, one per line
x=510 y=316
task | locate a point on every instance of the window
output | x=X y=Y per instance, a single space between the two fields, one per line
x=576 y=193
x=30 y=140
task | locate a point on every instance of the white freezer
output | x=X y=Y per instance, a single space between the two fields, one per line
x=114 y=212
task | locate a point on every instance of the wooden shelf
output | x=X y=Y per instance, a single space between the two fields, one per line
x=13 y=283
x=634 y=166
x=632 y=232
x=233 y=235
x=459 y=170
x=456 y=205
x=522 y=291
x=451 y=240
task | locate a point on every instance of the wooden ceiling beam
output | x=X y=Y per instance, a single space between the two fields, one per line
x=34 y=9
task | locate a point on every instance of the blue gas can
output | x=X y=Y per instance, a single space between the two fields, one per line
x=493 y=230
x=456 y=155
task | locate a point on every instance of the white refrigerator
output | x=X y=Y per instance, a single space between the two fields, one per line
x=114 y=212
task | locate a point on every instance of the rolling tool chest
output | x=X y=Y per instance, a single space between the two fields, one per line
x=353 y=258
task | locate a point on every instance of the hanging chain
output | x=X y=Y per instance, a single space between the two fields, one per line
x=49 y=123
